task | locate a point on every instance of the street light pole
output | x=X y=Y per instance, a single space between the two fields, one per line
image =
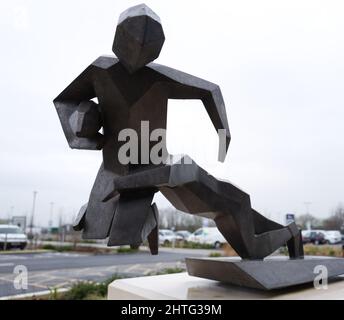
x=33 y=211
x=51 y=215
x=10 y=215
x=308 y=223
x=307 y=204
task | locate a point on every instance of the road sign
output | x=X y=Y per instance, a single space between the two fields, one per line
x=289 y=218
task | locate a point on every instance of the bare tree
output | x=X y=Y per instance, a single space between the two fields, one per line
x=336 y=220
x=304 y=219
x=171 y=218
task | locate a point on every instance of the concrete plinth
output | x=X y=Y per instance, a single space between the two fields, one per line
x=184 y=287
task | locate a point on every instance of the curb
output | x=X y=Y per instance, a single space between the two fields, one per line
x=32 y=294
x=24 y=252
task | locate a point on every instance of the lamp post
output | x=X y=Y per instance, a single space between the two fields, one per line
x=308 y=223
x=10 y=215
x=33 y=212
x=51 y=215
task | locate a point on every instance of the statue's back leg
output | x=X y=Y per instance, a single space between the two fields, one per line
x=125 y=219
x=95 y=217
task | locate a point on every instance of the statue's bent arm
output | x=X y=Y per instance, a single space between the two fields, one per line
x=79 y=115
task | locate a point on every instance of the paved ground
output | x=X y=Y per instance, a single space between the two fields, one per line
x=58 y=270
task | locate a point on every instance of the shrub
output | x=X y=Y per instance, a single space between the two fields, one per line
x=188 y=245
x=103 y=286
x=81 y=290
x=332 y=252
x=48 y=247
x=89 y=290
x=64 y=248
x=215 y=255
x=126 y=250
x=53 y=294
x=171 y=271
x=319 y=250
x=57 y=248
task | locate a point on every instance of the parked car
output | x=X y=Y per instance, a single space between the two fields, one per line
x=314 y=236
x=210 y=236
x=183 y=233
x=12 y=236
x=306 y=236
x=333 y=237
x=167 y=236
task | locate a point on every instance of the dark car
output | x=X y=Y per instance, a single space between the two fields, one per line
x=314 y=236
x=306 y=236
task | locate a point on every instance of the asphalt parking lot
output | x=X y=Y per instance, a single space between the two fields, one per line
x=59 y=270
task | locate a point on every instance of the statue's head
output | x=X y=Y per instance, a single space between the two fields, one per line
x=139 y=37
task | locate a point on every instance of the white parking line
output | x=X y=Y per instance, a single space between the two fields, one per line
x=11 y=257
x=148 y=271
x=10 y=264
x=135 y=266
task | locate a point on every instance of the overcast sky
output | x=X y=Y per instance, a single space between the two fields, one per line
x=280 y=66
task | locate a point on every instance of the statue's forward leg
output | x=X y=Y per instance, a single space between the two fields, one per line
x=295 y=245
x=231 y=210
x=190 y=189
x=252 y=235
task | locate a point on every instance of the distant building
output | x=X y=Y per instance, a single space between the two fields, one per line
x=19 y=221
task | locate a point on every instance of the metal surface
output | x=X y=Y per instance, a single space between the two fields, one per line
x=272 y=273
x=131 y=89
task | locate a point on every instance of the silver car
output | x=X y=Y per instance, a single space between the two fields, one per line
x=12 y=237
x=167 y=237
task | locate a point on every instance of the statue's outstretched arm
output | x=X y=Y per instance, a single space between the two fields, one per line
x=185 y=86
x=79 y=115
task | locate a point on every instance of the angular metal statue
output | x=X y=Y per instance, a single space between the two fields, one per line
x=130 y=89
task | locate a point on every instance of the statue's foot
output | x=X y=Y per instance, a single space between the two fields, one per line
x=295 y=245
x=153 y=241
x=79 y=222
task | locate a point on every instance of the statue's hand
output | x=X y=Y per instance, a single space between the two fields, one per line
x=86 y=120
